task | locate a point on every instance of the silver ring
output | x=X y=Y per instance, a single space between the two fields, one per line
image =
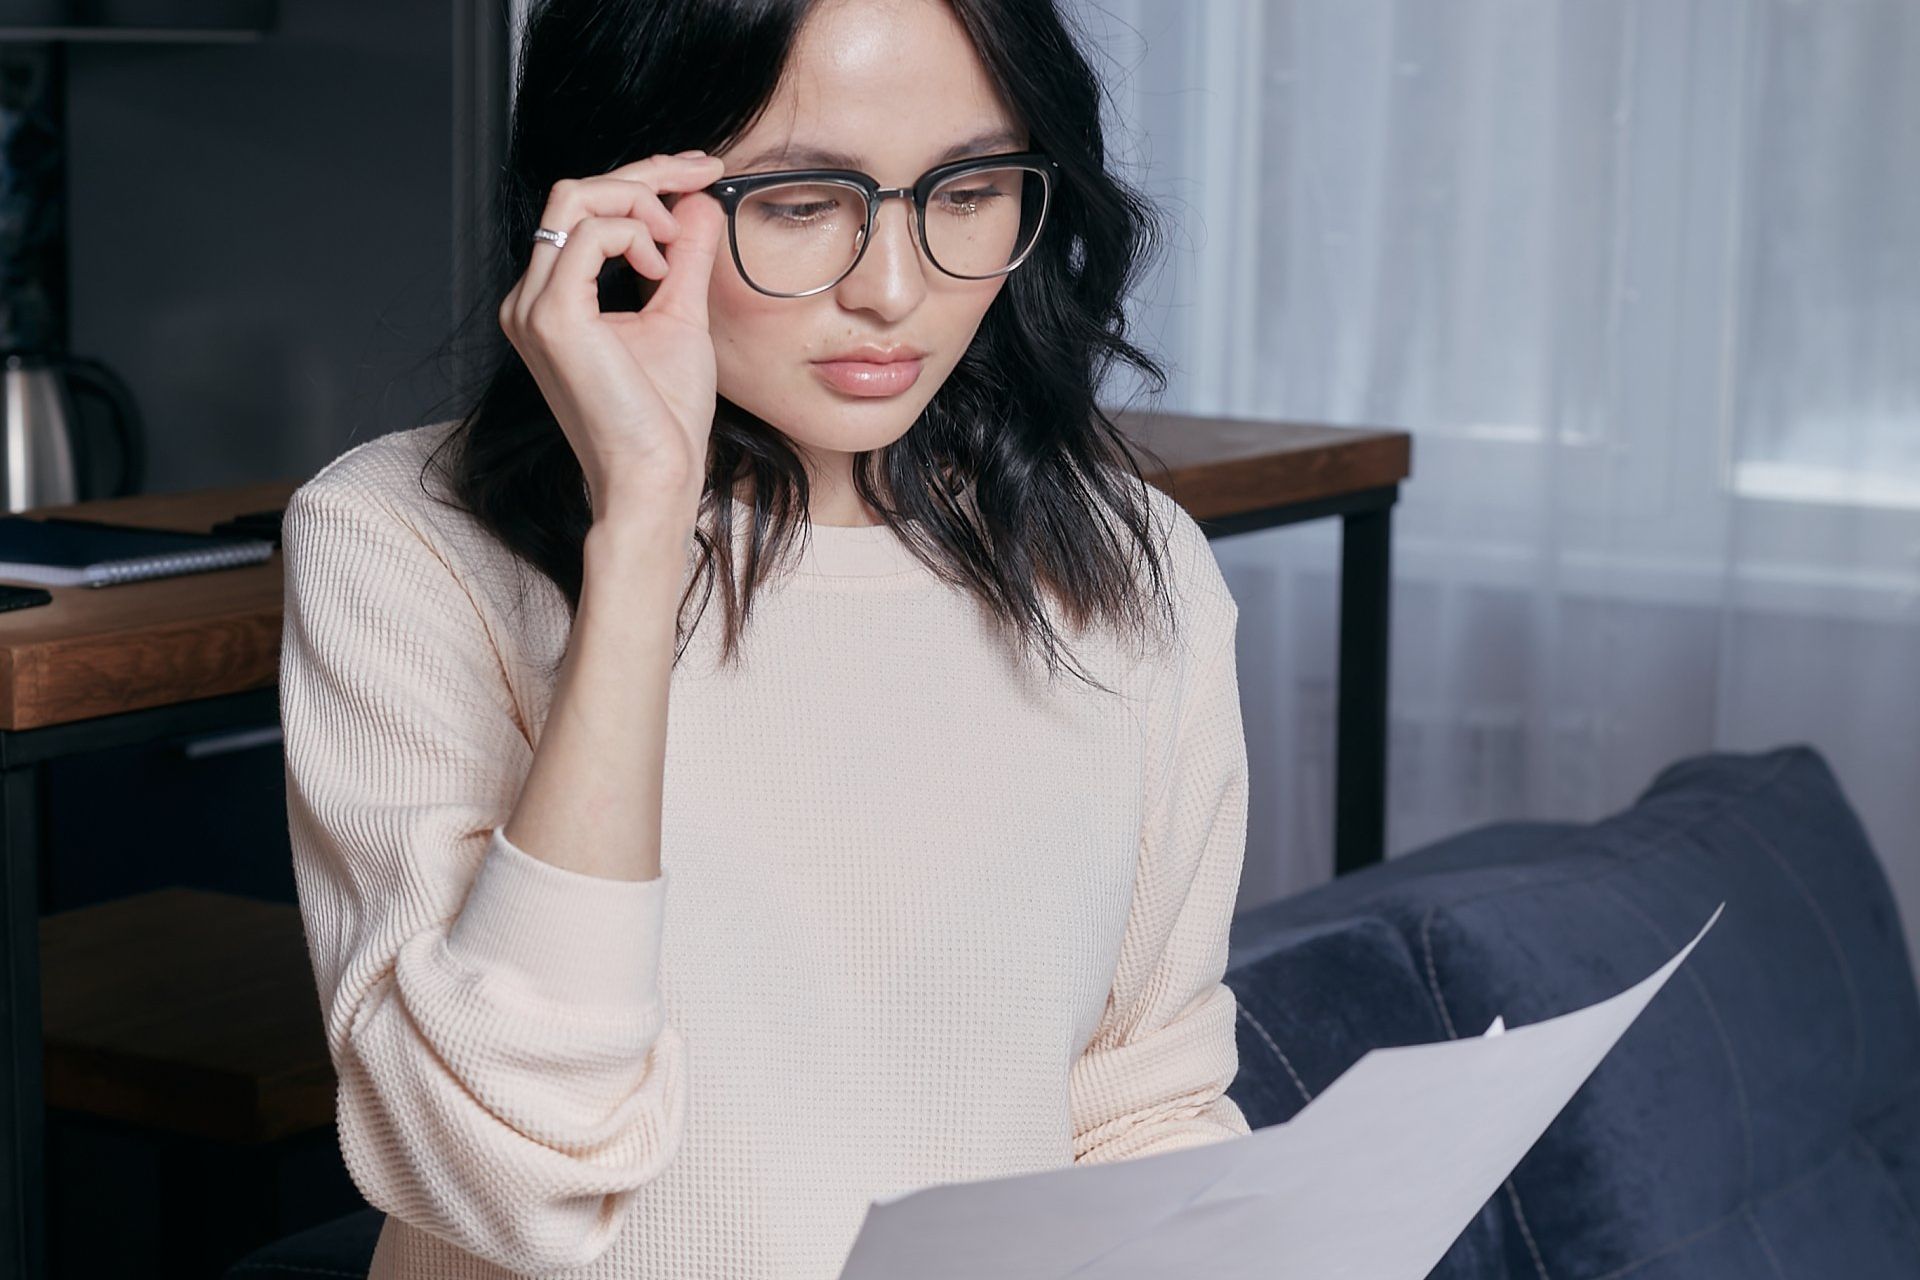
x=557 y=238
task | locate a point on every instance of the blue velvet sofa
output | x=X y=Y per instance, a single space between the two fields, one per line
x=1760 y=1119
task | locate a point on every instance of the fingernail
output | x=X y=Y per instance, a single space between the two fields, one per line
x=690 y=154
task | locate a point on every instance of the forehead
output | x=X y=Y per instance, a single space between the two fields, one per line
x=889 y=86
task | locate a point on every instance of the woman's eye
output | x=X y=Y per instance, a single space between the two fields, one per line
x=797 y=213
x=968 y=201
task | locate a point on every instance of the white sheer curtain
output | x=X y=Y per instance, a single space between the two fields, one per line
x=1643 y=279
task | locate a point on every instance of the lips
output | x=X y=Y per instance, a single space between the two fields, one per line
x=874 y=353
x=869 y=377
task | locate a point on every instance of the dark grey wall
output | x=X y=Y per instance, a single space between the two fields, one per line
x=261 y=233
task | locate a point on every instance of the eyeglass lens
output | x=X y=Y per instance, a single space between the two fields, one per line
x=796 y=237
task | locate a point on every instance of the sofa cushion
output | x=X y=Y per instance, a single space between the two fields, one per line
x=1309 y=1012
x=1760 y=1113
x=342 y=1247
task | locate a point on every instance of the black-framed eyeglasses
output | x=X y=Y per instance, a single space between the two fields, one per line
x=799 y=232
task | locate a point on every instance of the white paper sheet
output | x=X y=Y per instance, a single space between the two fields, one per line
x=1372 y=1180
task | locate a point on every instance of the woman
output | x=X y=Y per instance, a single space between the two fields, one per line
x=629 y=985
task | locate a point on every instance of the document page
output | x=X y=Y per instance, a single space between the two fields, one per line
x=1373 y=1180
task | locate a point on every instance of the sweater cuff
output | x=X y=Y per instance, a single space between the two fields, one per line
x=567 y=936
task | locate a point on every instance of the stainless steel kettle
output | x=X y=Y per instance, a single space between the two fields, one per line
x=45 y=454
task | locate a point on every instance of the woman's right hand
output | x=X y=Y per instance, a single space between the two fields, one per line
x=634 y=391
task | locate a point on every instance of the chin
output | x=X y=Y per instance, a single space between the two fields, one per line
x=870 y=429
x=851 y=424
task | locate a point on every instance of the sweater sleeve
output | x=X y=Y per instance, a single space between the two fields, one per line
x=1153 y=1076
x=507 y=1078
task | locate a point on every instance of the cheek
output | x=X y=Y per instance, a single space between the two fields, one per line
x=960 y=320
x=749 y=328
x=761 y=345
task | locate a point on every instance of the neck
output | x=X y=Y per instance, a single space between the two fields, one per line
x=831 y=503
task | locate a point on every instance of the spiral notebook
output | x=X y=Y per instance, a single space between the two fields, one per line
x=60 y=552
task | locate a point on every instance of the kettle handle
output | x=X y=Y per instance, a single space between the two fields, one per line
x=87 y=374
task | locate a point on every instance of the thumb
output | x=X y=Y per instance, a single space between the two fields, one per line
x=690 y=257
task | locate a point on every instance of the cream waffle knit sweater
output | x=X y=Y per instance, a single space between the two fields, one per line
x=922 y=917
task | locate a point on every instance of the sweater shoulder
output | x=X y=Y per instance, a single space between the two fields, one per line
x=1202 y=601
x=391 y=491
x=401 y=479
x=389 y=470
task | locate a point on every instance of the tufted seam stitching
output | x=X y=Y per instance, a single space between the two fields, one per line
x=1899 y=1194
x=1745 y=1206
x=1892 y=1100
x=1291 y=1073
x=1611 y=866
x=1526 y=1233
x=1833 y=944
x=1760 y=1238
x=1440 y=1000
x=1433 y=976
x=1720 y=1033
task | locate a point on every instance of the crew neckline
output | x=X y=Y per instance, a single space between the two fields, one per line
x=855 y=551
x=845 y=555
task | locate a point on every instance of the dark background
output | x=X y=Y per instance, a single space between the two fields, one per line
x=267 y=239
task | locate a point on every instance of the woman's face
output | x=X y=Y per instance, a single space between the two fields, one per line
x=888 y=86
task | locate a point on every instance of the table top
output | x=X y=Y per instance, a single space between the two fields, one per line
x=1230 y=466
x=100 y=651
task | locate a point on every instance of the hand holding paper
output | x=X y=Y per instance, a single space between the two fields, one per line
x=1374 y=1179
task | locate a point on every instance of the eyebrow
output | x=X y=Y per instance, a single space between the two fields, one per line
x=989 y=142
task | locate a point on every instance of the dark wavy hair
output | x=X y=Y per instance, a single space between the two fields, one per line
x=1013 y=483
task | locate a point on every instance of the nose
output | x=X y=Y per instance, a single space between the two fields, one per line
x=889 y=275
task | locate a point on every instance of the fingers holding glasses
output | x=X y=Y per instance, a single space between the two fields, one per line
x=682 y=291
x=634 y=392
x=632 y=191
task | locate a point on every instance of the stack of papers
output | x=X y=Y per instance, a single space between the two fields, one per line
x=1374 y=1179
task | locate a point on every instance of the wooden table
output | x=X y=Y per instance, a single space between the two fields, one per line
x=105 y=667
x=137 y=663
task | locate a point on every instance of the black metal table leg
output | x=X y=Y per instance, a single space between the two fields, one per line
x=22 y=1111
x=1360 y=762
x=1360 y=753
